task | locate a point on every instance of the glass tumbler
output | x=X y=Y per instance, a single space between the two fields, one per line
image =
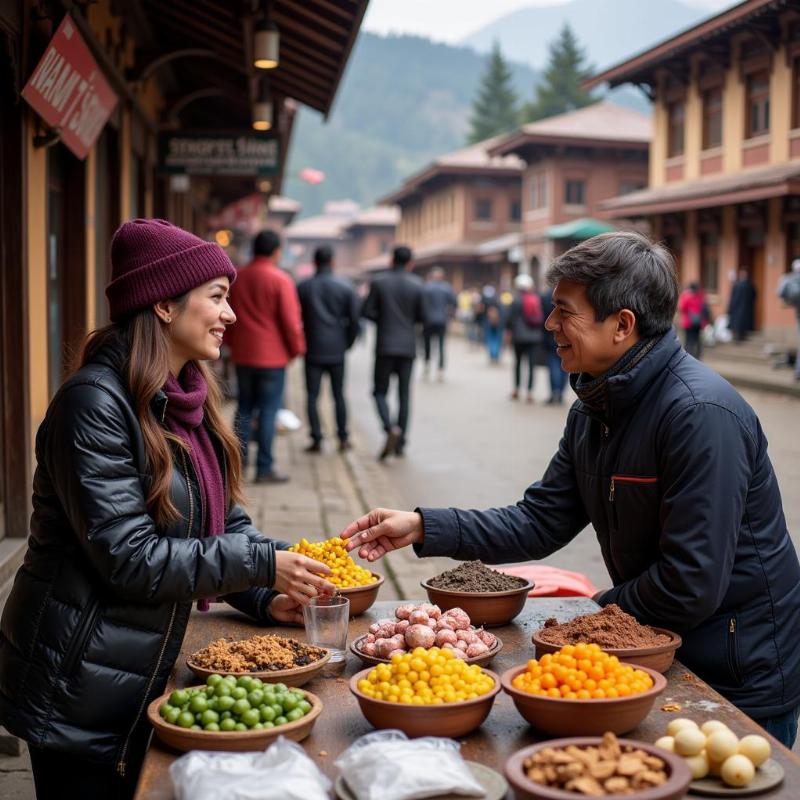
x=326 y=619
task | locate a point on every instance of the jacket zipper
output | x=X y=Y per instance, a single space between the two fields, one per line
x=732 y=659
x=80 y=638
x=121 y=763
x=626 y=479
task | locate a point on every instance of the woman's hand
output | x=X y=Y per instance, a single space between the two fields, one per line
x=299 y=576
x=285 y=610
x=382 y=530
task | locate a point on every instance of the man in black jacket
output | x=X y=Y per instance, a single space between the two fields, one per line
x=330 y=318
x=396 y=302
x=669 y=464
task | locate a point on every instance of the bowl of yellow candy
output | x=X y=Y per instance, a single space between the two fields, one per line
x=426 y=693
x=359 y=585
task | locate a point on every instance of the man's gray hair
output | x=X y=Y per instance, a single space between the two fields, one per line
x=620 y=270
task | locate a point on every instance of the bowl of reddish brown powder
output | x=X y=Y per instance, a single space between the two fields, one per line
x=617 y=633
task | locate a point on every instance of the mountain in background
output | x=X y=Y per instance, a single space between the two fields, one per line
x=609 y=30
x=405 y=100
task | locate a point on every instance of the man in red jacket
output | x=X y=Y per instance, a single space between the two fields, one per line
x=267 y=335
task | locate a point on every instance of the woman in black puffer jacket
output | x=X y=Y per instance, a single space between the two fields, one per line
x=137 y=476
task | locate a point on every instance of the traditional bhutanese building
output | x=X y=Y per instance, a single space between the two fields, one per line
x=573 y=162
x=724 y=182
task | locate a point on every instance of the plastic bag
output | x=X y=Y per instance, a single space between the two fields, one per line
x=387 y=765
x=282 y=772
x=286 y=421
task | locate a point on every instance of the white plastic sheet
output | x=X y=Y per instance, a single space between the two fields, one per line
x=282 y=772
x=387 y=765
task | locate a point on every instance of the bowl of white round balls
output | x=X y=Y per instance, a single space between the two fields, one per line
x=714 y=754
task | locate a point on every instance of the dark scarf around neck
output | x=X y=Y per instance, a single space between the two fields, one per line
x=593 y=392
x=184 y=417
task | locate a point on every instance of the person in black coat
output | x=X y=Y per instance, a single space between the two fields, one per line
x=330 y=308
x=136 y=514
x=524 y=324
x=741 y=307
x=669 y=464
x=440 y=305
x=396 y=303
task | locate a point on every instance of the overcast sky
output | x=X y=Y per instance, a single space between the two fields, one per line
x=452 y=20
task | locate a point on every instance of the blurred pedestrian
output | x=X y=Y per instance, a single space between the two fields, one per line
x=524 y=326
x=741 y=308
x=789 y=292
x=492 y=323
x=268 y=335
x=558 y=377
x=695 y=315
x=396 y=303
x=440 y=304
x=330 y=308
x=478 y=317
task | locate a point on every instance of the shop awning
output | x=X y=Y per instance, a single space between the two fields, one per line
x=578 y=229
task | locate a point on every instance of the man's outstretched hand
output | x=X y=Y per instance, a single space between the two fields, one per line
x=382 y=530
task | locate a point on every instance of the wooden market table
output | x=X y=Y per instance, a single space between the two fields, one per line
x=504 y=731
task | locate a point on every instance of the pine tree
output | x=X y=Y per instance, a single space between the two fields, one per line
x=560 y=89
x=495 y=107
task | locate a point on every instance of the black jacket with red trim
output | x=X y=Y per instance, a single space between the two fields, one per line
x=680 y=490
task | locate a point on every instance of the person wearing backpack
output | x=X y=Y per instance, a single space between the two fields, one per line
x=789 y=292
x=524 y=327
x=695 y=316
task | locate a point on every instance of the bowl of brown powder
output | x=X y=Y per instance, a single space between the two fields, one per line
x=270 y=657
x=617 y=633
x=489 y=597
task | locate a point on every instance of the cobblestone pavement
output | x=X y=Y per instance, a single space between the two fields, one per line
x=469 y=446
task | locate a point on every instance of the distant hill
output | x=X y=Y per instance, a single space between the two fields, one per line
x=610 y=30
x=403 y=101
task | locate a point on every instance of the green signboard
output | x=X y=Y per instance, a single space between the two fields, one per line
x=234 y=153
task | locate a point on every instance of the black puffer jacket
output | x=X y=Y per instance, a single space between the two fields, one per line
x=97 y=613
x=677 y=482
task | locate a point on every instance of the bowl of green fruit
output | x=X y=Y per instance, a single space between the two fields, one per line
x=228 y=713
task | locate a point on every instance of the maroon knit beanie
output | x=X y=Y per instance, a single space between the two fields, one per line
x=152 y=260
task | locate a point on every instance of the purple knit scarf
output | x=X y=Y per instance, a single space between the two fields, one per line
x=184 y=416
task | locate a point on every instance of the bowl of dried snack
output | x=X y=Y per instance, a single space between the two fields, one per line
x=562 y=769
x=488 y=597
x=228 y=713
x=618 y=633
x=582 y=690
x=270 y=657
x=426 y=693
x=359 y=585
x=426 y=625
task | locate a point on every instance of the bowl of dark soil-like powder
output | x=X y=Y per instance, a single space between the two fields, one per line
x=617 y=633
x=489 y=597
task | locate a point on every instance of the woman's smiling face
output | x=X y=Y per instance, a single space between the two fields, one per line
x=197 y=325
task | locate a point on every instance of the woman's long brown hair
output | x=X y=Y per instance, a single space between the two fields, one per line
x=146 y=370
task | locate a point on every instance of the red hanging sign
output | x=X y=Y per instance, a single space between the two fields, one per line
x=68 y=90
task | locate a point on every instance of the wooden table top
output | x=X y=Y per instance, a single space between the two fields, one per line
x=503 y=733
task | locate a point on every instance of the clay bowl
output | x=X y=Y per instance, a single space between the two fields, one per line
x=296 y=676
x=362 y=597
x=482 y=660
x=184 y=739
x=562 y=717
x=658 y=658
x=525 y=789
x=446 y=719
x=483 y=608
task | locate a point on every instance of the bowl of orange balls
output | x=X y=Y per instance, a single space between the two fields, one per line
x=357 y=584
x=426 y=693
x=582 y=691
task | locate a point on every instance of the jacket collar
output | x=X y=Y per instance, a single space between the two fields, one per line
x=625 y=390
